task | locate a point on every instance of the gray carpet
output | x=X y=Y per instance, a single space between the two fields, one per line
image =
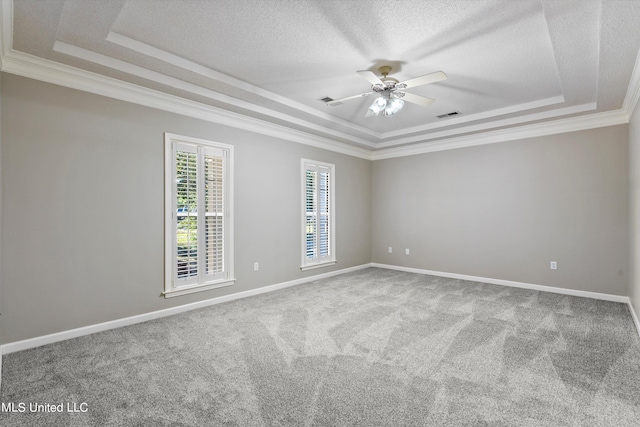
x=370 y=348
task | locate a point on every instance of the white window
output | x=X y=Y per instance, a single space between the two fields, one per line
x=318 y=213
x=198 y=215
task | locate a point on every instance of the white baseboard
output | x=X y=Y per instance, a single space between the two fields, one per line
x=634 y=316
x=118 y=323
x=564 y=291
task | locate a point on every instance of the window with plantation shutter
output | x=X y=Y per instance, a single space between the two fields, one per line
x=198 y=218
x=318 y=237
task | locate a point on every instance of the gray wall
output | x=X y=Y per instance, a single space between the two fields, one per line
x=505 y=210
x=83 y=208
x=634 y=210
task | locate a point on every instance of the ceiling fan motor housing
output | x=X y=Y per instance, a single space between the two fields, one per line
x=389 y=85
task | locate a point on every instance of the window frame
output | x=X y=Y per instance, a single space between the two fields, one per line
x=305 y=263
x=171 y=287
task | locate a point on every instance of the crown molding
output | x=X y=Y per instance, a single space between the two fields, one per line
x=116 y=64
x=571 y=124
x=185 y=64
x=33 y=67
x=52 y=72
x=470 y=118
x=575 y=109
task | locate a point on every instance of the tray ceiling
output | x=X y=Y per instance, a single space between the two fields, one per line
x=509 y=63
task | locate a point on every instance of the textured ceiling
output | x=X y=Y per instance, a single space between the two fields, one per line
x=508 y=62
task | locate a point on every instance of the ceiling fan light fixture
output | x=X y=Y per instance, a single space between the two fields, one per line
x=393 y=106
x=377 y=107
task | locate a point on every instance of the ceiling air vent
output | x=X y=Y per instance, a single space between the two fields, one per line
x=443 y=116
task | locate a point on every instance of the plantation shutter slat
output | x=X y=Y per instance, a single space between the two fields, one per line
x=311 y=220
x=324 y=212
x=214 y=163
x=186 y=224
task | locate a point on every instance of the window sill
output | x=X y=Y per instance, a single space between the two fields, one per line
x=198 y=288
x=318 y=265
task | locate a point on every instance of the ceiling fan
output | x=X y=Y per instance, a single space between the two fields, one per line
x=392 y=92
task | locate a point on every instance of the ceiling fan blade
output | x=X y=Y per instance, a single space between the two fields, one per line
x=341 y=100
x=370 y=77
x=418 y=99
x=423 y=80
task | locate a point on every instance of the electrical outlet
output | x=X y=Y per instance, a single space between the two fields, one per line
x=390 y=250
x=256 y=267
x=553 y=265
x=407 y=252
